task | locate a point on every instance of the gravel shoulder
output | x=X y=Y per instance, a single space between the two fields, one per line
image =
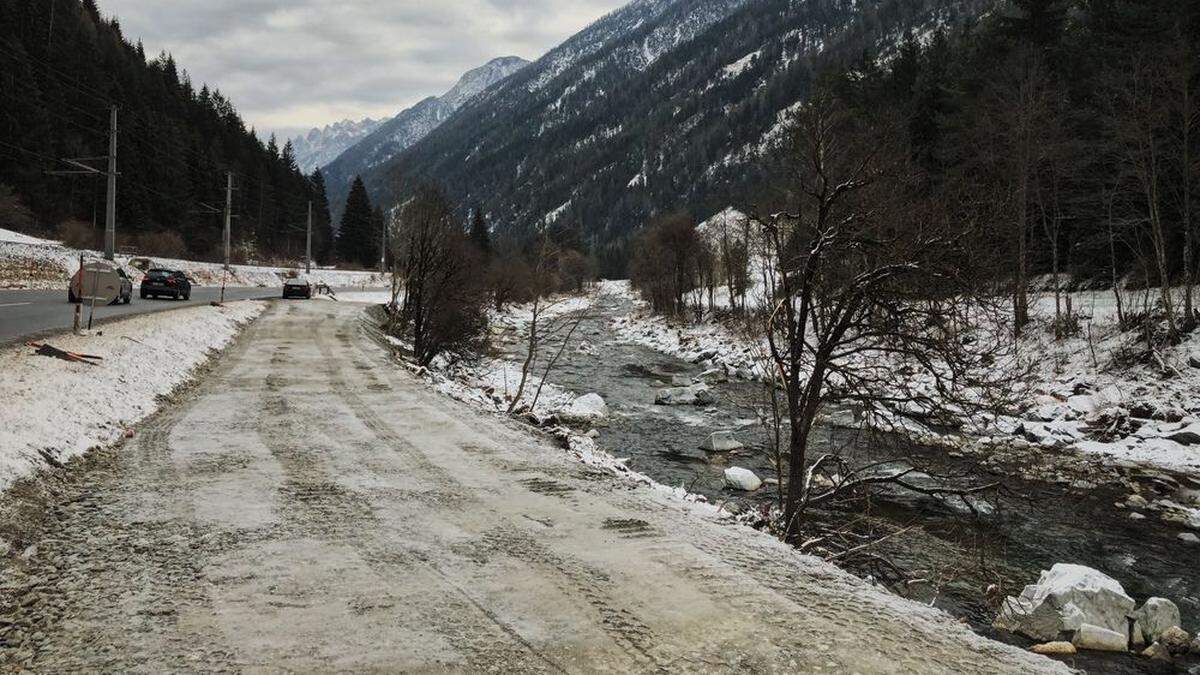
x=310 y=506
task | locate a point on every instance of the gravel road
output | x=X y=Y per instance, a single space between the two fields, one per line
x=311 y=507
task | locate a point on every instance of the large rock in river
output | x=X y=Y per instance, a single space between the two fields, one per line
x=697 y=394
x=1155 y=618
x=586 y=408
x=742 y=479
x=721 y=441
x=1064 y=599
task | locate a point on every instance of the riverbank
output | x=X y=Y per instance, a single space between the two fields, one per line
x=1033 y=524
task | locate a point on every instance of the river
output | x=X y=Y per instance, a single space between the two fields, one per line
x=1030 y=525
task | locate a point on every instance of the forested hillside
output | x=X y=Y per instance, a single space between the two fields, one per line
x=1071 y=127
x=62 y=66
x=660 y=106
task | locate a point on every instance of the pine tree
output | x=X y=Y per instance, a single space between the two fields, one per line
x=1039 y=22
x=354 y=240
x=377 y=239
x=323 y=234
x=481 y=234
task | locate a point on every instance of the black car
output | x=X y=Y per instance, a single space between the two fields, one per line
x=297 y=288
x=170 y=283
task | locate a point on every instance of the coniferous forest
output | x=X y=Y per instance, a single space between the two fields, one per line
x=63 y=66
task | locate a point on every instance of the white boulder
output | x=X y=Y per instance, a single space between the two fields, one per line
x=742 y=479
x=586 y=408
x=721 y=441
x=697 y=394
x=1065 y=598
x=1189 y=538
x=681 y=381
x=1154 y=619
x=1100 y=639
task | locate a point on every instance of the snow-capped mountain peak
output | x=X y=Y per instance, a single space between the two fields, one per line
x=320 y=146
x=475 y=81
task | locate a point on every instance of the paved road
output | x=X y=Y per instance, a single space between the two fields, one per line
x=26 y=313
x=311 y=507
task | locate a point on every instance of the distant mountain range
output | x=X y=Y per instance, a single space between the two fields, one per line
x=321 y=146
x=388 y=139
x=661 y=105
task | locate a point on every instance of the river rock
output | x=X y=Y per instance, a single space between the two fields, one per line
x=1194 y=359
x=1155 y=617
x=1054 y=649
x=586 y=408
x=721 y=441
x=681 y=381
x=1100 y=639
x=1189 y=538
x=1157 y=651
x=1065 y=598
x=1188 y=435
x=697 y=394
x=1176 y=640
x=742 y=479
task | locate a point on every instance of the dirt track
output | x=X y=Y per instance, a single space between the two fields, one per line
x=310 y=507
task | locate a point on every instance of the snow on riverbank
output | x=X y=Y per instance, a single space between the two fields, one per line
x=490 y=384
x=52 y=410
x=32 y=263
x=1081 y=398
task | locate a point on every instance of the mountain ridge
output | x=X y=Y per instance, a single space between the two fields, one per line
x=409 y=126
x=660 y=105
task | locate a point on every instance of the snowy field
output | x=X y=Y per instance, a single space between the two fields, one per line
x=53 y=410
x=32 y=263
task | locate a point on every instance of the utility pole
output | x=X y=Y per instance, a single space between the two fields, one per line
x=228 y=214
x=383 y=248
x=110 y=221
x=308 y=242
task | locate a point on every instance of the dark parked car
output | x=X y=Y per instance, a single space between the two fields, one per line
x=166 y=283
x=297 y=288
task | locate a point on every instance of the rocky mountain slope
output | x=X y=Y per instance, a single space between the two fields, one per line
x=663 y=104
x=321 y=146
x=390 y=138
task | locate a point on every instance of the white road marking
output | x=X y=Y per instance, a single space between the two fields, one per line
x=17 y=304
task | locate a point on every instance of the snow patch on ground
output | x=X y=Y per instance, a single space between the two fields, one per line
x=18 y=238
x=29 y=262
x=53 y=410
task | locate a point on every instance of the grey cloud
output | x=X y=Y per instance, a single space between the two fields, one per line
x=290 y=64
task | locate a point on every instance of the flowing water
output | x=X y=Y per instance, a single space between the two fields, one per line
x=1023 y=529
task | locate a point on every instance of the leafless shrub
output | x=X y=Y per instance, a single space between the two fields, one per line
x=77 y=234
x=14 y=215
x=162 y=245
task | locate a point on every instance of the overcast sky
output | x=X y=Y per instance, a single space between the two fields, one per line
x=289 y=65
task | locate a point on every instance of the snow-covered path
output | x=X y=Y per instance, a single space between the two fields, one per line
x=310 y=507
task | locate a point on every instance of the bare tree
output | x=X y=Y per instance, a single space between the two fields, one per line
x=1012 y=138
x=546 y=323
x=663 y=268
x=444 y=297
x=1137 y=122
x=867 y=280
